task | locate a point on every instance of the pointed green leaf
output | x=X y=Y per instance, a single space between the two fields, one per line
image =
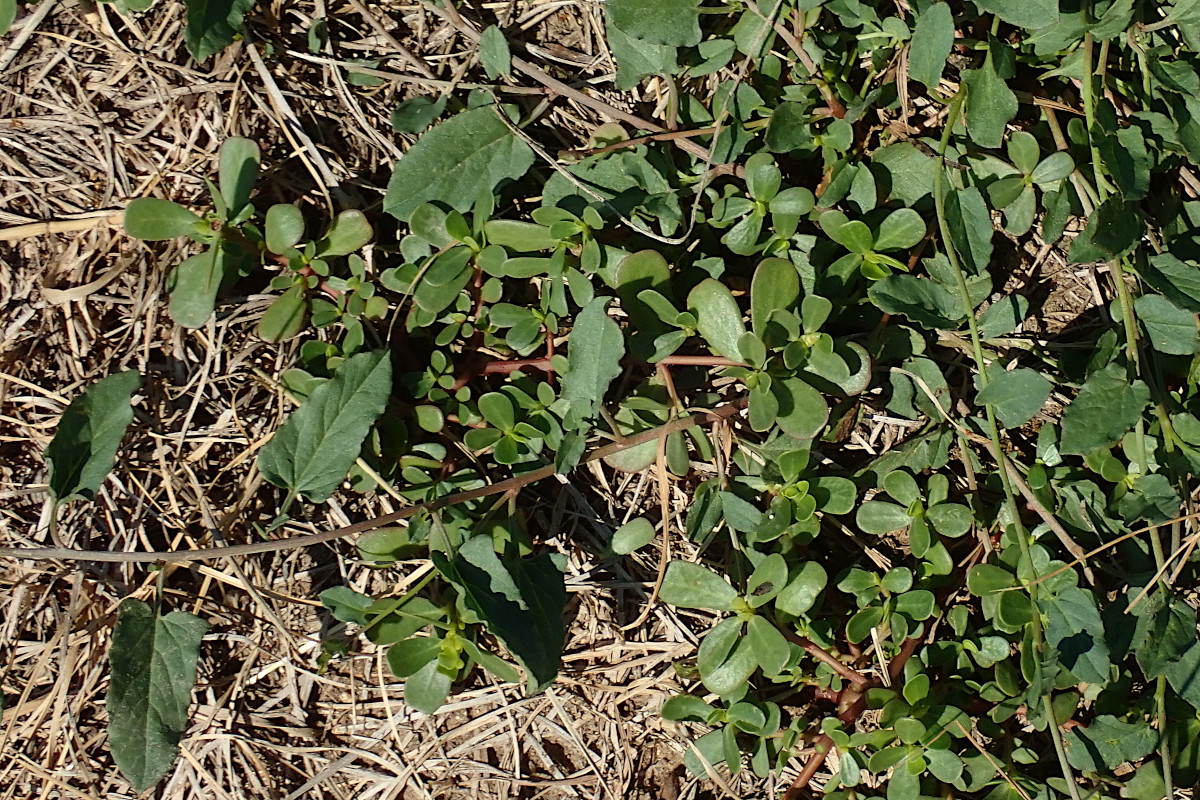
x=153 y=661
x=920 y=299
x=313 y=450
x=990 y=104
x=494 y=53
x=212 y=24
x=521 y=600
x=467 y=154
x=1075 y=629
x=1172 y=329
x=1108 y=743
x=84 y=447
x=594 y=354
x=1028 y=14
x=932 y=39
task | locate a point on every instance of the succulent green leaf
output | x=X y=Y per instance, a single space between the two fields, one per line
x=153 y=663
x=719 y=317
x=633 y=535
x=239 y=163
x=284 y=227
x=689 y=585
x=153 y=219
x=349 y=231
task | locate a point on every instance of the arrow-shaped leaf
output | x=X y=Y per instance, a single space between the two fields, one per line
x=85 y=445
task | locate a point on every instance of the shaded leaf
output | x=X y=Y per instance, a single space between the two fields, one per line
x=1075 y=629
x=153 y=661
x=313 y=450
x=84 y=447
x=1108 y=742
x=212 y=24
x=520 y=599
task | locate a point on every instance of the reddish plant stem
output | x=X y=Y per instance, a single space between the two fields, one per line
x=821 y=654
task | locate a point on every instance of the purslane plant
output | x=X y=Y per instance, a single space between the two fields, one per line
x=837 y=271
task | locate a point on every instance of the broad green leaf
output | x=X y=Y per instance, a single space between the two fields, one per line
x=930 y=46
x=84 y=447
x=802 y=590
x=1126 y=160
x=1113 y=230
x=859 y=626
x=417 y=114
x=454 y=162
x=637 y=58
x=153 y=662
x=920 y=299
x=775 y=287
x=521 y=600
x=1105 y=408
x=990 y=104
x=1172 y=329
x=349 y=231
x=880 y=517
x=1171 y=633
x=494 y=53
x=1028 y=14
x=1178 y=280
x=1016 y=395
x=911 y=172
x=689 y=585
x=427 y=689
x=1184 y=675
x=672 y=22
x=1003 y=316
x=313 y=450
x=1107 y=743
x=212 y=24
x=1075 y=629
x=153 y=219
x=238 y=168
x=633 y=535
x=346 y=605
x=284 y=227
x=719 y=317
x=594 y=352
x=789 y=128
x=285 y=317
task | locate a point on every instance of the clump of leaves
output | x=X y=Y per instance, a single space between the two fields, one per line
x=995 y=585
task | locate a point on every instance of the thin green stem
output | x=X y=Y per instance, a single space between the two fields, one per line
x=993 y=429
x=1089 y=115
